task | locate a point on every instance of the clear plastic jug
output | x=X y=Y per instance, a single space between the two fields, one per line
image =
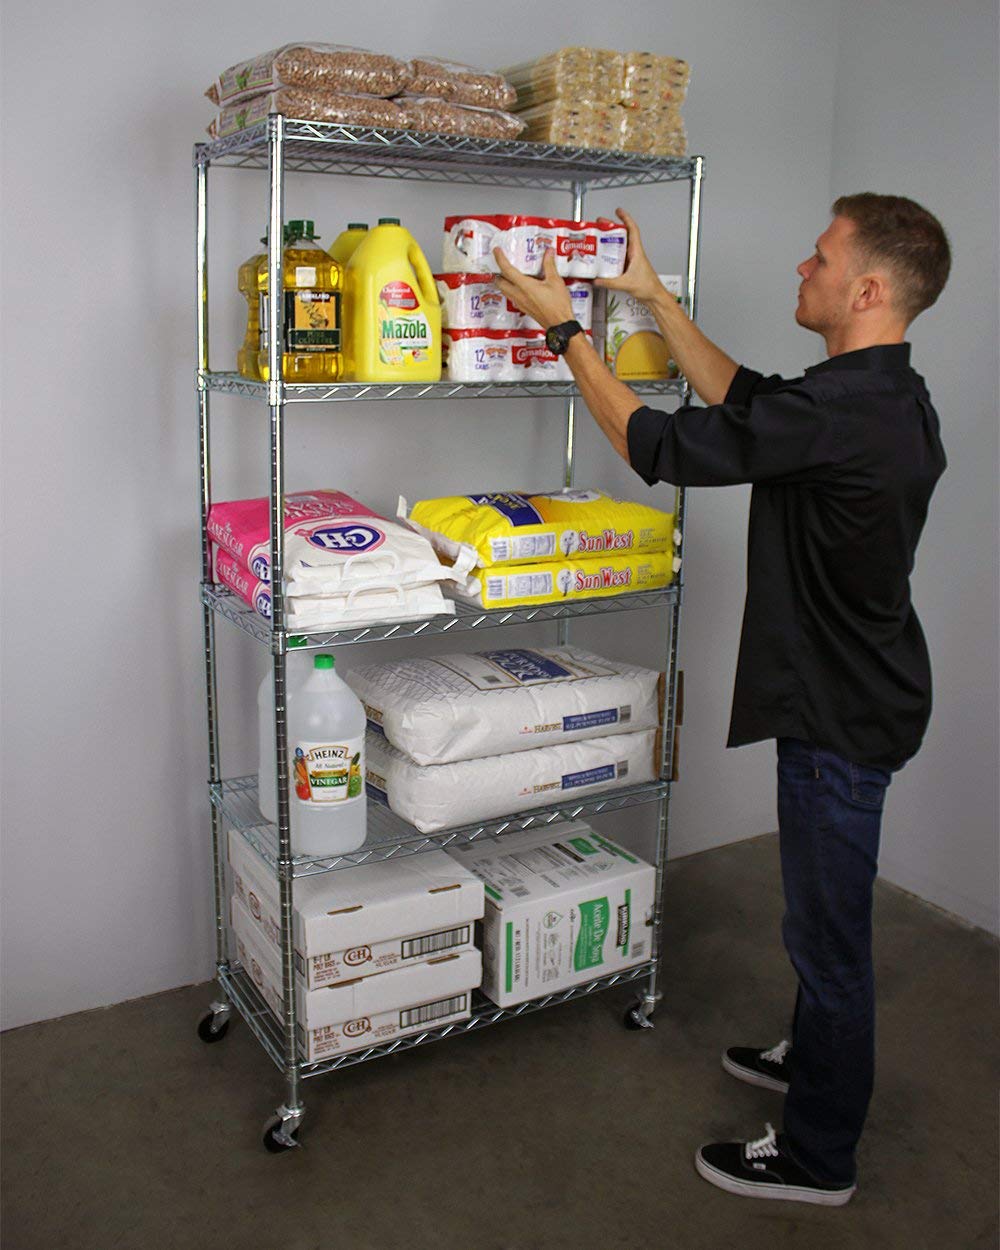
x=326 y=759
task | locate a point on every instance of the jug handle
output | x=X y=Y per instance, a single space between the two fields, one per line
x=425 y=279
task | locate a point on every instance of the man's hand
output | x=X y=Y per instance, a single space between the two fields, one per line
x=639 y=278
x=545 y=299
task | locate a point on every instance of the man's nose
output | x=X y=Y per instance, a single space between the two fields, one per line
x=801 y=269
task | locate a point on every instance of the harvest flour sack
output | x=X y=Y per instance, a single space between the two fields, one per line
x=438 y=796
x=443 y=708
x=551 y=581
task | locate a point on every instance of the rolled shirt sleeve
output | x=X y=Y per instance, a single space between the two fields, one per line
x=766 y=430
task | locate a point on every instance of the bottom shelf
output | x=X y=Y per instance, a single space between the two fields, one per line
x=244 y=996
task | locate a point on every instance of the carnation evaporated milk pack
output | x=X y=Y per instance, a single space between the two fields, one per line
x=564 y=906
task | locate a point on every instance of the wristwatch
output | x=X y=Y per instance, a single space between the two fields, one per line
x=557 y=337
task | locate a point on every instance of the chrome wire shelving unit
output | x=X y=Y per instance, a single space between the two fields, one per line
x=280 y=146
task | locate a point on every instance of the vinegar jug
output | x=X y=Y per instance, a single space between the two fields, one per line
x=392 y=313
x=326 y=759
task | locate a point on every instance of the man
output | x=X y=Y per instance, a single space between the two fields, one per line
x=832 y=660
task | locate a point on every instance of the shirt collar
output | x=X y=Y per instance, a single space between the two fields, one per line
x=884 y=356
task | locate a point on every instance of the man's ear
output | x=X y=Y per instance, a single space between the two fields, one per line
x=872 y=291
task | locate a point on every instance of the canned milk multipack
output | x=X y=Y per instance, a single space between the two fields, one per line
x=582 y=249
x=473 y=301
x=502 y=356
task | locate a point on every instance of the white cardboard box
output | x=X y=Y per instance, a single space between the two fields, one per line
x=368 y=919
x=366 y=1012
x=626 y=333
x=564 y=905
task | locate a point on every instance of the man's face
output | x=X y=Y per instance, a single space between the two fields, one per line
x=827 y=288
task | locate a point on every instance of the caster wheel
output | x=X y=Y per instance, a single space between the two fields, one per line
x=634 y=1019
x=208 y=1031
x=271 y=1142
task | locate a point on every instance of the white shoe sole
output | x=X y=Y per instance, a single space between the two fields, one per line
x=750 y=1077
x=756 y=1189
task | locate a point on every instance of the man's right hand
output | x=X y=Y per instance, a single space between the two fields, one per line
x=639 y=278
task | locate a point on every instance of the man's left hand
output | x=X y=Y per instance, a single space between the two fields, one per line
x=546 y=299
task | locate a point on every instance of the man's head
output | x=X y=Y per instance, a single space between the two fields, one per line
x=882 y=260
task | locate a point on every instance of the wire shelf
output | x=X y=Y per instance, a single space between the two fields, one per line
x=266 y=1028
x=232 y=608
x=391 y=837
x=298 y=392
x=380 y=152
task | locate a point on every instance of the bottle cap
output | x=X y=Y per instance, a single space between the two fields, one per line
x=300 y=229
x=324 y=661
x=388 y=221
x=357 y=225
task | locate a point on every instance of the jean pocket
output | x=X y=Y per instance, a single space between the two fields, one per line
x=868 y=786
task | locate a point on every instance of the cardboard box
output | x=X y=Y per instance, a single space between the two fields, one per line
x=366 y=1012
x=564 y=905
x=632 y=345
x=364 y=920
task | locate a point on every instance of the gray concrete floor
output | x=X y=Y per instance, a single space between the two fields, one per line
x=560 y=1129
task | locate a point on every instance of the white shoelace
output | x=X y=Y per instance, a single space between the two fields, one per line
x=767 y=1147
x=777 y=1055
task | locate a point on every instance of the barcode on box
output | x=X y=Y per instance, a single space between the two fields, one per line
x=623 y=768
x=432 y=943
x=637 y=949
x=520 y=892
x=433 y=1011
x=625 y=714
x=495 y=587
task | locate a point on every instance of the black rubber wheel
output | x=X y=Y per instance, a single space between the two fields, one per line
x=209 y=1034
x=271 y=1143
x=633 y=1019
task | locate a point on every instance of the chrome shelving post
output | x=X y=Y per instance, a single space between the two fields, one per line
x=577 y=190
x=220 y=1008
x=291 y=1112
x=642 y=1013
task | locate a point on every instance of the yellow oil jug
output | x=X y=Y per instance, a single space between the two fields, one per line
x=345 y=244
x=313 y=283
x=392 y=313
x=247 y=281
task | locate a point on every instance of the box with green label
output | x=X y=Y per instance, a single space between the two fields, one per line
x=564 y=905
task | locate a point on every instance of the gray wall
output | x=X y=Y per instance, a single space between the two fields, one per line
x=106 y=875
x=906 y=125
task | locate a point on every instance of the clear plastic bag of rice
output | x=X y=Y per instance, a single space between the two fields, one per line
x=319 y=66
x=459 y=84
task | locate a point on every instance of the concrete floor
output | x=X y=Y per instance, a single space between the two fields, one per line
x=560 y=1129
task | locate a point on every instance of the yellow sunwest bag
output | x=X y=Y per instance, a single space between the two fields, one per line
x=552 y=581
x=510 y=528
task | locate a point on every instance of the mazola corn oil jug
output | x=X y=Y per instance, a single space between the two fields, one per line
x=248 y=281
x=346 y=243
x=313 y=281
x=392 y=313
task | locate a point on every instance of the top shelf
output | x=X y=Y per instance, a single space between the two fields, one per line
x=376 y=152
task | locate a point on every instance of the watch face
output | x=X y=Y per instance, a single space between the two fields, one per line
x=555 y=340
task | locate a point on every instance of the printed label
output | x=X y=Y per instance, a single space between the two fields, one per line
x=514 y=508
x=398 y=295
x=594 y=923
x=588 y=777
x=312 y=321
x=590 y=720
x=498 y=670
x=328 y=772
x=576 y=245
x=354 y=536
x=404 y=339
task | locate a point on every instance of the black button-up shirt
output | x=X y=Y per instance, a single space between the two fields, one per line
x=843 y=462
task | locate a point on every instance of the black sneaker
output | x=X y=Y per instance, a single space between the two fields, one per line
x=767 y=1068
x=764 y=1169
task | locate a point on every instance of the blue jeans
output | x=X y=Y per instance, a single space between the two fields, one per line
x=829 y=818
